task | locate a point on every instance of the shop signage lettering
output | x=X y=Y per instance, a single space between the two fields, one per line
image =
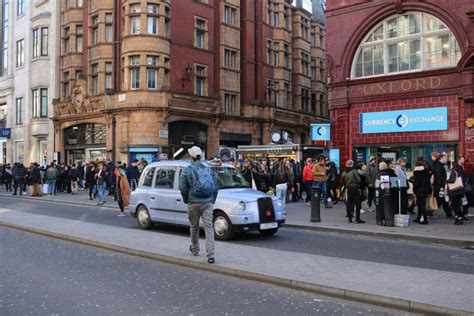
x=402 y=85
x=5 y=132
x=431 y=119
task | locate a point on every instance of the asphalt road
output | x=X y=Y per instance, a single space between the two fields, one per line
x=46 y=276
x=364 y=248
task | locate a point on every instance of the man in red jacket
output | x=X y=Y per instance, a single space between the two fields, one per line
x=308 y=178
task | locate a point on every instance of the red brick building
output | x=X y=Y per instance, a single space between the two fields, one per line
x=150 y=78
x=401 y=78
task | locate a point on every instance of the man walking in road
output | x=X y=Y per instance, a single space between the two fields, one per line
x=199 y=190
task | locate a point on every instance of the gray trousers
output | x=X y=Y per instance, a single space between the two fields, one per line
x=204 y=211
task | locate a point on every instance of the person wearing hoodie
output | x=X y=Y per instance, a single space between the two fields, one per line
x=51 y=176
x=308 y=178
x=421 y=190
x=351 y=181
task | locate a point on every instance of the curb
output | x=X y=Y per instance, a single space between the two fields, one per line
x=58 y=202
x=374 y=299
x=442 y=241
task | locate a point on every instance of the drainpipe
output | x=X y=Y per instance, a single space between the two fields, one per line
x=114 y=123
x=117 y=44
x=255 y=17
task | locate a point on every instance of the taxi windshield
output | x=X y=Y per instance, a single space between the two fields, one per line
x=229 y=178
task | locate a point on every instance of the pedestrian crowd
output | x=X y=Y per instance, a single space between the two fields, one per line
x=100 y=179
x=363 y=188
x=368 y=187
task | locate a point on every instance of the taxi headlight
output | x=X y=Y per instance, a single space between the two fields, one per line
x=242 y=206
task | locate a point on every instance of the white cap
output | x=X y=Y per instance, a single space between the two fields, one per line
x=195 y=151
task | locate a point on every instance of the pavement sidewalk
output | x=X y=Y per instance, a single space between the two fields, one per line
x=441 y=230
x=410 y=289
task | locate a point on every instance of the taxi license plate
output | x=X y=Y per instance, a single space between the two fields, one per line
x=268 y=226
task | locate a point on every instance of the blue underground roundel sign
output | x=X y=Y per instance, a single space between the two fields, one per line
x=320 y=132
x=402 y=120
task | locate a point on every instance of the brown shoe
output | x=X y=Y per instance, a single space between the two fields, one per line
x=328 y=206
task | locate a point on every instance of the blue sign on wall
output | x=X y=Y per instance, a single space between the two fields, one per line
x=5 y=132
x=320 y=132
x=335 y=156
x=420 y=120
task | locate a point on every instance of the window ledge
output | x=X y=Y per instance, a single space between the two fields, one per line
x=40 y=3
x=39 y=58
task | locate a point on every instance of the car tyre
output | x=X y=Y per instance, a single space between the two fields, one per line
x=143 y=218
x=268 y=232
x=223 y=228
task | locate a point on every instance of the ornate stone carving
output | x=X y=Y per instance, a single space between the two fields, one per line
x=80 y=102
x=329 y=68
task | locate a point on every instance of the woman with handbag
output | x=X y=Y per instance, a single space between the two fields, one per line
x=456 y=193
x=422 y=190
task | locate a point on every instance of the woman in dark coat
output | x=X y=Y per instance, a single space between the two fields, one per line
x=332 y=182
x=90 y=180
x=123 y=189
x=7 y=178
x=19 y=174
x=457 y=195
x=422 y=190
x=35 y=180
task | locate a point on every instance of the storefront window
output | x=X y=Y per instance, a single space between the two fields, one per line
x=408 y=152
x=409 y=42
x=20 y=152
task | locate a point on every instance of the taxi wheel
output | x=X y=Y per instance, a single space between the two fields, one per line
x=223 y=229
x=268 y=232
x=143 y=218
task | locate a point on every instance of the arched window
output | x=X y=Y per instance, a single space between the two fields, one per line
x=409 y=42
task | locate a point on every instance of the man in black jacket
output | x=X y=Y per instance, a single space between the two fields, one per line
x=352 y=181
x=133 y=174
x=36 y=180
x=463 y=175
x=440 y=177
x=18 y=173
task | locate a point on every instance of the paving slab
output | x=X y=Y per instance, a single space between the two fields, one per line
x=412 y=289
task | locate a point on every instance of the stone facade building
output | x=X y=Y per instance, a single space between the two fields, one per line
x=401 y=78
x=27 y=80
x=148 y=79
